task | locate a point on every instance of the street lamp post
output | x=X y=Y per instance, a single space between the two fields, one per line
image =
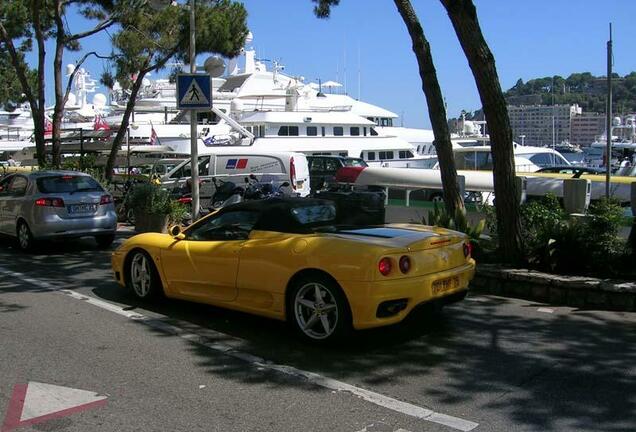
x=194 y=156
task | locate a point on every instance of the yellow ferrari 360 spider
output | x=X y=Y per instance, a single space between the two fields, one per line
x=285 y=259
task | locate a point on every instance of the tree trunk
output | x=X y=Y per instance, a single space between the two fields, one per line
x=463 y=15
x=58 y=109
x=38 y=118
x=436 y=109
x=121 y=132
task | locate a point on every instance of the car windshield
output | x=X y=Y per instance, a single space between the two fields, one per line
x=355 y=163
x=67 y=184
x=315 y=215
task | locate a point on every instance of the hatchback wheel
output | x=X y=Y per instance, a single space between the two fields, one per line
x=318 y=310
x=25 y=238
x=143 y=278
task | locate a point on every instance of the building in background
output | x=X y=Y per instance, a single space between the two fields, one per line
x=586 y=128
x=542 y=125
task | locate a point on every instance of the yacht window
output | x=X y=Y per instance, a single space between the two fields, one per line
x=365 y=131
x=323 y=131
x=338 y=131
x=343 y=154
x=288 y=131
x=261 y=130
x=312 y=131
x=386 y=155
x=373 y=132
x=405 y=154
x=354 y=131
x=371 y=119
x=384 y=121
x=371 y=156
x=543 y=159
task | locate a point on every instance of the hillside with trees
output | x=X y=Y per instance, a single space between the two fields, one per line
x=584 y=89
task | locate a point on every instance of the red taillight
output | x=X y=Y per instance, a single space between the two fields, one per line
x=468 y=249
x=184 y=200
x=292 y=173
x=105 y=199
x=405 y=264
x=384 y=266
x=49 y=202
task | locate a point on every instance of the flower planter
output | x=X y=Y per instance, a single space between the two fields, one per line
x=145 y=222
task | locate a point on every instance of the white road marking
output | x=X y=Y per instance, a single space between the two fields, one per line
x=314 y=378
x=44 y=399
x=545 y=310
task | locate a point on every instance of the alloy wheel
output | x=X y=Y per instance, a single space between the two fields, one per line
x=316 y=310
x=140 y=275
x=24 y=236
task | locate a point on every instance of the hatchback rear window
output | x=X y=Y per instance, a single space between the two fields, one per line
x=68 y=184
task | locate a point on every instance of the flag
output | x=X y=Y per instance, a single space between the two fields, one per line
x=48 y=126
x=100 y=124
x=154 y=139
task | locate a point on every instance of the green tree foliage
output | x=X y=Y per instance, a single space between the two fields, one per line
x=148 y=38
x=11 y=93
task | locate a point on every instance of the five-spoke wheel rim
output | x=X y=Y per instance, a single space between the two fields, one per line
x=23 y=236
x=316 y=311
x=140 y=275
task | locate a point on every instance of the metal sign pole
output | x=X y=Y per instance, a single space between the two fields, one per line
x=608 y=146
x=194 y=156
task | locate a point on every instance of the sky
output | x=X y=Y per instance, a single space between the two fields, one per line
x=365 y=45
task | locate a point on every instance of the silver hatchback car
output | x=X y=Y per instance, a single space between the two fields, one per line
x=45 y=205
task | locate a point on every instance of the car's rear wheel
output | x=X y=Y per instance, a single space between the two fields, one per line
x=104 y=241
x=143 y=279
x=318 y=310
x=437 y=198
x=25 y=238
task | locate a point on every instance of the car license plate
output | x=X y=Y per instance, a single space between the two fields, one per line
x=443 y=285
x=82 y=208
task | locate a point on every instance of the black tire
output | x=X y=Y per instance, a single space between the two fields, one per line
x=151 y=288
x=104 y=241
x=25 y=240
x=436 y=198
x=309 y=321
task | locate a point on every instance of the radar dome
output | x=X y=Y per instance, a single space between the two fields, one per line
x=616 y=121
x=249 y=38
x=69 y=69
x=215 y=66
x=99 y=100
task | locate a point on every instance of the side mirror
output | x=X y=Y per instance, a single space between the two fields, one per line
x=176 y=232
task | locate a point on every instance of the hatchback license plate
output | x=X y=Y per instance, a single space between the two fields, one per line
x=444 y=285
x=82 y=208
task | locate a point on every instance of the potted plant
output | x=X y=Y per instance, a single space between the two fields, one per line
x=154 y=208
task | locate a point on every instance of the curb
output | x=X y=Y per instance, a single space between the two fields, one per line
x=575 y=291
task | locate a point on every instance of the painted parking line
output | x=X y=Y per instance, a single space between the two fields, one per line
x=201 y=336
x=545 y=310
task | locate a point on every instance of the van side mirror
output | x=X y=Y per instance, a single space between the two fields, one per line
x=176 y=232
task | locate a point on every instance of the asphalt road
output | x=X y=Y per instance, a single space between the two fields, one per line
x=501 y=364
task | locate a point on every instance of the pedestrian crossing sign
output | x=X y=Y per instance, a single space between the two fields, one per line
x=194 y=91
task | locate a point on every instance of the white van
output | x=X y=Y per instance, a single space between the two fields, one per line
x=235 y=164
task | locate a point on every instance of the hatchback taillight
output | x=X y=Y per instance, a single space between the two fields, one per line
x=105 y=199
x=49 y=202
x=384 y=266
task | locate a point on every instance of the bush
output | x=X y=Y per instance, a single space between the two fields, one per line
x=556 y=242
x=458 y=222
x=151 y=199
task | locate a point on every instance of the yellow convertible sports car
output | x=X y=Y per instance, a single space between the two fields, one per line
x=285 y=258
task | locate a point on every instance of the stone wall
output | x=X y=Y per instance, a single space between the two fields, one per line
x=575 y=291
